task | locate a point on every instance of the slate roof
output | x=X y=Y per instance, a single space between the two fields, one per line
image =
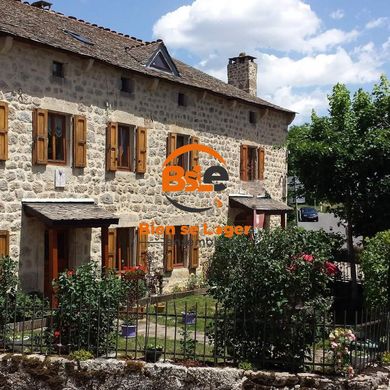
x=261 y=204
x=47 y=27
x=70 y=214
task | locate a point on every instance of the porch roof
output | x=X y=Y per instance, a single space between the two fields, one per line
x=267 y=205
x=69 y=214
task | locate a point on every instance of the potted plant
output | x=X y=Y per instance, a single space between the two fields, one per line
x=129 y=328
x=153 y=352
x=188 y=317
x=159 y=307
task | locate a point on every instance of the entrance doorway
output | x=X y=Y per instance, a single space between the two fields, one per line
x=62 y=248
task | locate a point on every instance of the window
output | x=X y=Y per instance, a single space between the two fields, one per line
x=4 y=243
x=126 y=148
x=252 y=117
x=181 y=99
x=162 y=61
x=79 y=37
x=57 y=138
x=58 y=69
x=186 y=160
x=126 y=248
x=51 y=136
x=126 y=85
x=125 y=145
x=251 y=163
x=180 y=250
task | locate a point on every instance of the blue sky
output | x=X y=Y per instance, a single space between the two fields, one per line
x=303 y=47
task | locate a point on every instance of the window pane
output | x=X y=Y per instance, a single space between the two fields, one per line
x=124 y=147
x=56 y=138
x=123 y=248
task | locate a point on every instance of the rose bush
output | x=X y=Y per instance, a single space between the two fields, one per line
x=273 y=286
x=87 y=309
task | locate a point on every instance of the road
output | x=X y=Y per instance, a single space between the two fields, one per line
x=329 y=223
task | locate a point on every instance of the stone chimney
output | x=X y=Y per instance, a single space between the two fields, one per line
x=242 y=73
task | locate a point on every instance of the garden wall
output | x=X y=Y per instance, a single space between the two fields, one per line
x=36 y=372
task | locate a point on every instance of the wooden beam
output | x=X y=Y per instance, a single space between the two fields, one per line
x=53 y=263
x=6 y=44
x=233 y=104
x=202 y=95
x=283 y=220
x=104 y=242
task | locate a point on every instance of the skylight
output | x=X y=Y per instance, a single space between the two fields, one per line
x=79 y=37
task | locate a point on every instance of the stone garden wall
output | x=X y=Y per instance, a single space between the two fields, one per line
x=36 y=372
x=26 y=83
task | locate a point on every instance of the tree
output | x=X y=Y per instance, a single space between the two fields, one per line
x=344 y=159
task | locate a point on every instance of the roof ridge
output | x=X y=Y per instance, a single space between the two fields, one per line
x=86 y=23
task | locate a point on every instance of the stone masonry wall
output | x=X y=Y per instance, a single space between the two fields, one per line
x=37 y=372
x=26 y=83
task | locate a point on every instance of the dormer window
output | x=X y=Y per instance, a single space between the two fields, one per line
x=162 y=61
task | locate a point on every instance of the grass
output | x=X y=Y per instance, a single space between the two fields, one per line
x=173 y=349
x=203 y=305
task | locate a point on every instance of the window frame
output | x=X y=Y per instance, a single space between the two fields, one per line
x=180 y=244
x=252 y=168
x=184 y=157
x=65 y=138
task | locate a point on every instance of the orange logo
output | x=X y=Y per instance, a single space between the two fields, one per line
x=176 y=179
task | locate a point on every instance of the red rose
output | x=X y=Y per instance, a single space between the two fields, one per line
x=330 y=268
x=57 y=333
x=70 y=272
x=292 y=268
x=306 y=257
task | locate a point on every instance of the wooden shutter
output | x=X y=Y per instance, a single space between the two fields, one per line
x=40 y=125
x=142 y=249
x=171 y=146
x=141 y=145
x=194 y=251
x=194 y=153
x=244 y=162
x=112 y=146
x=112 y=248
x=169 y=251
x=79 y=141
x=3 y=131
x=261 y=161
x=4 y=243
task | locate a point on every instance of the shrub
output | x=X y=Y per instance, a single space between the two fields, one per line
x=81 y=355
x=87 y=308
x=272 y=288
x=15 y=305
x=375 y=262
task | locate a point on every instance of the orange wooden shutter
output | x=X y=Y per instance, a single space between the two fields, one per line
x=112 y=146
x=79 y=141
x=142 y=249
x=261 y=161
x=169 y=251
x=3 y=131
x=112 y=248
x=244 y=162
x=194 y=153
x=4 y=243
x=141 y=145
x=194 y=251
x=40 y=125
x=171 y=146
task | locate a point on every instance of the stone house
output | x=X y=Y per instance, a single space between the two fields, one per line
x=87 y=118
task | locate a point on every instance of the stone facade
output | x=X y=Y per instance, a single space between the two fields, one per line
x=26 y=83
x=37 y=372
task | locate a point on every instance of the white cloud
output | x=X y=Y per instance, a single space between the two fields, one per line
x=230 y=26
x=337 y=14
x=375 y=23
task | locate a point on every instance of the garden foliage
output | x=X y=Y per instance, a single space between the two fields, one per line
x=272 y=287
x=375 y=262
x=87 y=310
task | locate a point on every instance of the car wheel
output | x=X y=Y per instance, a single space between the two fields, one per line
x=316 y=220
